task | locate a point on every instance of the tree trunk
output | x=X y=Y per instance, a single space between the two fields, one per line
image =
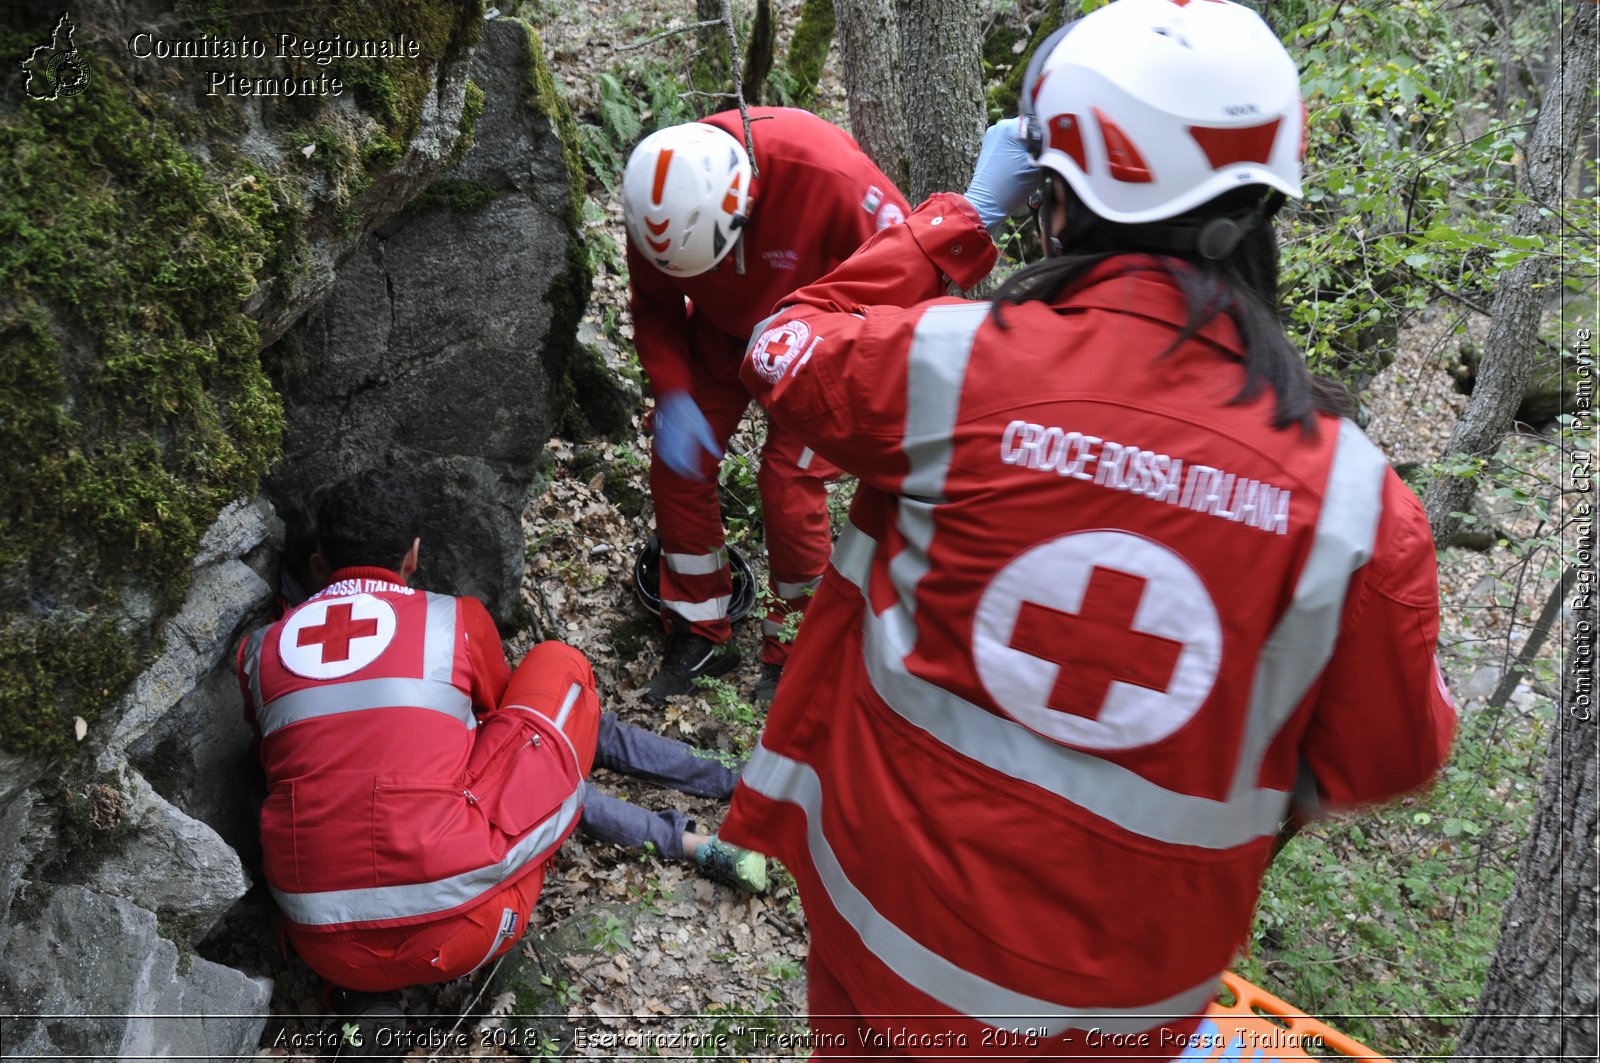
x=758 y=53
x=1540 y=999
x=870 y=44
x=941 y=45
x=1509 y=351
x=808 y=49
x=712 y=58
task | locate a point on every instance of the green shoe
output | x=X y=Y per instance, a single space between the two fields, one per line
x=732 y=865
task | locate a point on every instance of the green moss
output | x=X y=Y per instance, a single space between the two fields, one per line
x=1003 y=96
x=455 y=195
x=568 y=294
x=467 y=130
x=113 y=465
x=808 y=48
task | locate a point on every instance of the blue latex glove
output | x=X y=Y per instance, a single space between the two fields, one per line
x=683 y=434
x=1004 y=176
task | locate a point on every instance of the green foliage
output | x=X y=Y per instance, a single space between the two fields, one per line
x=1383 y=925
x=620 y=122
x=609 y=935
x=110 y=230
x=1409 y=174
x=808 y=51
x=742 y=720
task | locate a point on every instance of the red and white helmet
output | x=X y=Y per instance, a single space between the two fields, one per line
x=682 y=191
x=1149 y=108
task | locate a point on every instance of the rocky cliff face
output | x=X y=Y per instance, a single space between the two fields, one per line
x=154 y=239
x=445 y=347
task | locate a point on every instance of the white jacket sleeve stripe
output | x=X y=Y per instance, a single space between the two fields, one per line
x=336 y=907
x=1302 y=643
x=783 y=779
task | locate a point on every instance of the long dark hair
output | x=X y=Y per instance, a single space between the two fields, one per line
x=1242 y=284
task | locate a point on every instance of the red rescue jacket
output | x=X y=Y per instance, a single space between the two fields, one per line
x=383 y=808
x=1089 y=632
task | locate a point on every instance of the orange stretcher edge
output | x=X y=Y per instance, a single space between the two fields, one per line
x=1257 y=1027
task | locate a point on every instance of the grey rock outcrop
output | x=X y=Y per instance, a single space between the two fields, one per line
x=106 y=881
x=445 y=347
x=113 y=987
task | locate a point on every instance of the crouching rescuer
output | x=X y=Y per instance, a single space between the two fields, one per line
x=416 y=785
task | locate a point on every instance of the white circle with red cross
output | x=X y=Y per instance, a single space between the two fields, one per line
x=327 y=638
x=1098 y=639
x=777 y=347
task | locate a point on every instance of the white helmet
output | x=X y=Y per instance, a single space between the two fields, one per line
x=684 y=196
x=1149 y=108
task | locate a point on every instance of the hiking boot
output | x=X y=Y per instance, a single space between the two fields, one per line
x=732 y=866
x=767 y=685
x=688 y=658
x=373 y=1027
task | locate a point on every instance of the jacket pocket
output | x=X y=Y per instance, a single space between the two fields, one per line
x=279 y=855
x=423 y=830
x=525 y=781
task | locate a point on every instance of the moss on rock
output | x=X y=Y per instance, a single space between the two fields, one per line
x=114 y=242
x=133 y=404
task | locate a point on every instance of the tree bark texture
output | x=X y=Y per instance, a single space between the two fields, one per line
x=808 y=49
x=1540 y=998
x=713 y=59
x=758 y=53
x=869 y=42
x=941 y=47
x=1512 y=344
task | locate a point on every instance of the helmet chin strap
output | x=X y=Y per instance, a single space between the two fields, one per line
x=736 y=225
x=1213 y=238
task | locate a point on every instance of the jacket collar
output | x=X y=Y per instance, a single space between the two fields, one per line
x=362 y=572
x=1142 y=286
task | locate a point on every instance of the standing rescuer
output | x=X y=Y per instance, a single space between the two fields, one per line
x=1120 y=592
x=711 y=247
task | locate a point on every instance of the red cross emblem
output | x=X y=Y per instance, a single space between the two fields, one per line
x=1097 y=645
x=777 y=347
x=335 y=633
x=1098 y=639
x=334 y=637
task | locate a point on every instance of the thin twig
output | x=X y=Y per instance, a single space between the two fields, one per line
x=471 y=1004
x=735 y=63
x=664 y=34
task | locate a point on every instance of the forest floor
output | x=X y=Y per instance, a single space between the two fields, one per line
x=645 y=949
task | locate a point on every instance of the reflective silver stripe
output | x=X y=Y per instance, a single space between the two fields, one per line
x=772 y=628
x=787 y=591
x=697 y=564
x=783 y=779
x=335 y=907
x=1106 y=789
x=852 y=554
x=1302 y=643
x=805 y=458
x=508 y=928
x=334 y=698
x=711 y=609
x=936 y=370
x=439 y=639
x=252 y=663
x=566 y=704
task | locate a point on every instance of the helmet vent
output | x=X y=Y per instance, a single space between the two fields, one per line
x=1225 y=147
x=1123 y=159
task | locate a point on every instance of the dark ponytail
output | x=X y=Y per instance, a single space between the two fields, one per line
x=1242 y=284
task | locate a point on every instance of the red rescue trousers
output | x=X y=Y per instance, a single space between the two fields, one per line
x=380 y=959
x=696 y=581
